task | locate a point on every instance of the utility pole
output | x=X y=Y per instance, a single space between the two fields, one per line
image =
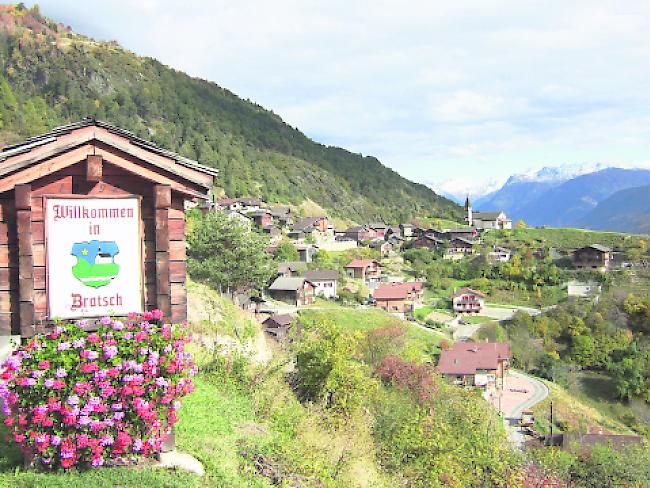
x=550 y=418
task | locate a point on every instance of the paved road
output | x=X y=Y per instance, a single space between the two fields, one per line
x=514 y=402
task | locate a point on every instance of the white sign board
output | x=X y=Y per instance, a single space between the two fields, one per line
x=94 y=256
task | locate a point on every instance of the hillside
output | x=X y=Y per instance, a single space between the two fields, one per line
x=625 y=211
x=50 y=76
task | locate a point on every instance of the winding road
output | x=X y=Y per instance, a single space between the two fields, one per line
x=522 y=392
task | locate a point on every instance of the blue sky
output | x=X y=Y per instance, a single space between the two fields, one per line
x=458 y=90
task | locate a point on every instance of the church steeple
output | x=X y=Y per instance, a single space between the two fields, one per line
x=468 y=211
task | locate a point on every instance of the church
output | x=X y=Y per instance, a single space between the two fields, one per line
x=486 y=220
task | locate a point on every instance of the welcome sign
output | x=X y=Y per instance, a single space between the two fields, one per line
x=94 y=256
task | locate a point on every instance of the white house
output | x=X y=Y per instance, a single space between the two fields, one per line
x=583 y=289
x=486 y=220
x=325 y=282
x=500 y=254
x=468 y=300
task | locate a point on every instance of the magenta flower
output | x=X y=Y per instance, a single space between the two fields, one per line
x=105 y=321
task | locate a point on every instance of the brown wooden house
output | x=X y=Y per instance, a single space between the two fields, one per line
x=593 y=257
x=92 y=177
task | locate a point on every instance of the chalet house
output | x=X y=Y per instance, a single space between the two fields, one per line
x=393 y=299
x=319 y=225
x=262 y=218
x=467 y=300
x=291 y=268
x=367 y=270
x=279 y=326
x=451 y=234
x=428 y=241
x=460 y=246
x=480 y=364
x=361 y=233
x=379 y=228
x=384 y=247
x=325 y=282
x=486 y=220
x=399 y=298
x=228 y=204
x=593 y=257
x=295 y=290
x=282 y=215
x=251 y=204
x=407 y=230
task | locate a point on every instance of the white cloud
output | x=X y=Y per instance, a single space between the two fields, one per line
x=428 y=87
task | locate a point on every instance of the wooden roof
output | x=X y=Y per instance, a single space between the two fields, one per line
x=70 y=144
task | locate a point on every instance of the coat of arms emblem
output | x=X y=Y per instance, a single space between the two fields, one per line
x=95 y=265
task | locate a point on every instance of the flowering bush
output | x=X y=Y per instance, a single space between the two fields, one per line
x=80 y=398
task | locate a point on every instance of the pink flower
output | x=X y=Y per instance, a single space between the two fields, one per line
x=43 y=364
x=147 y=316
x=94 y=338
x=63 y=346
x=61 y=373
x=156 y=314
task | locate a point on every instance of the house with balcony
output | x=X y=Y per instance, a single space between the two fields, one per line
x=367 y=270
x=467 y=300
x=325 y=282
x=476 y=364
x=594 y=257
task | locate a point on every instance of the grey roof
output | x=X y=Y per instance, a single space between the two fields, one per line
x=378 y=243
x=463 y=240
x=487 y=215
x=281 y=319
x=280 y=211
x=51 y=136
x=321 y=275
x=598 y=247
x=287 y=284
x=306 y=223
x=293 y=265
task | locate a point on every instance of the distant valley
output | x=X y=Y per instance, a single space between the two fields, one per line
x=604 y=199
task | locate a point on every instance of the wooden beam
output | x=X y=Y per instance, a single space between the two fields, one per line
x=162 y=202
x=23 y=204
x=94 y=168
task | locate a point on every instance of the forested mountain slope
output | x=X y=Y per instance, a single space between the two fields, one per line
x=625 y=211
x=50 y=76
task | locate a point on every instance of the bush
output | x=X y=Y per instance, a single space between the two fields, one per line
x=75 y=398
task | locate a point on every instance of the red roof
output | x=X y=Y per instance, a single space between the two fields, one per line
x=390 y=292
x=468 y=291
x=467 y=357
x=361 y=263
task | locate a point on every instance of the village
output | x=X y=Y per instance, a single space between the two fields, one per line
x=372 y=273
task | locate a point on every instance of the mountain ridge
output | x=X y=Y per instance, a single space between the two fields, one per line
x=50 y=76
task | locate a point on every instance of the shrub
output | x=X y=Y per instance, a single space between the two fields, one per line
x=80 y=398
